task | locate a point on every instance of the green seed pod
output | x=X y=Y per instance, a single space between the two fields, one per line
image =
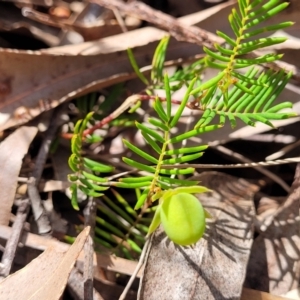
x=183 y=218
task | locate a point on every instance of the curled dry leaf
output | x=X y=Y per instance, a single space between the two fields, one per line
x=46 y=276
x=12 y=151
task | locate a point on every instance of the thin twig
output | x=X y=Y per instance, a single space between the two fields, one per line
x=40 y=215
x=12 y=242
x=128 y=103
x=88 y=274
x=260 y=169
x=120 y=20
x=75 y=286
x=177 y=29
x=268 y=163
x=283 y=151
x=137 y=269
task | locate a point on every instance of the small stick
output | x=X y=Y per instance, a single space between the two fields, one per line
x=75 y=286
x=260 y=169
x=268 y=163
x=120 y=20
x=40 y=216
x=137 y=269
x=88 y=273
x=128 y=103
x=177 y=29
x=12 y=242
x=283 y=151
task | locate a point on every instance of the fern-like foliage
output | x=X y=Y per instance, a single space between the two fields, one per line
x=157 y=134
x=84 y=169
x=119 y=227
x=232 y=94
x=253 y=93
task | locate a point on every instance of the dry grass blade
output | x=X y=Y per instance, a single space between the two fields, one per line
x=12 y=151
x=46 y=276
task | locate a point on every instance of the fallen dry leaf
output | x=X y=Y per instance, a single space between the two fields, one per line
x=201 y=271
x=107 y=262
x=34 y=81
x=46 y=276
x=12 y=151
x=275 y=253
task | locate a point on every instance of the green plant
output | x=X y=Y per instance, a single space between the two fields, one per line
x=230 y=95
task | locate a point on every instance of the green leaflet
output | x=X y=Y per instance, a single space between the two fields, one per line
x=243 y=88
x=138 y=165
x=89 y=192
x=160 y=110
x=105 y=235
x=280 y=106
x=206 y=118
x=151 y=142
x=192 y=133
x=134 y=246
x=91 y=185
x=186 y=150
x=124 y=203
x=266 y=16
x=140 y=152
x=136 y=179
x=189 y=190
x=73 y=163
x=110 y=227
x=97 y=167
x=114 y=211
x=182 y=159
x=158 y=124
x=168 y=96
x=136 y=67
x=258 y=44
x=133 y=185
x=267 y=28
x=208 y=84
x=150 y=132
x=142 y=199
x=74 y=199
x=177 y=181
x=246 y=79
x=216 y=55
x=159 y=59
x=182 y=104
x=155 y=221
x=177 y=171
x=223 y=50
x=230 y=41
x=93 y=177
